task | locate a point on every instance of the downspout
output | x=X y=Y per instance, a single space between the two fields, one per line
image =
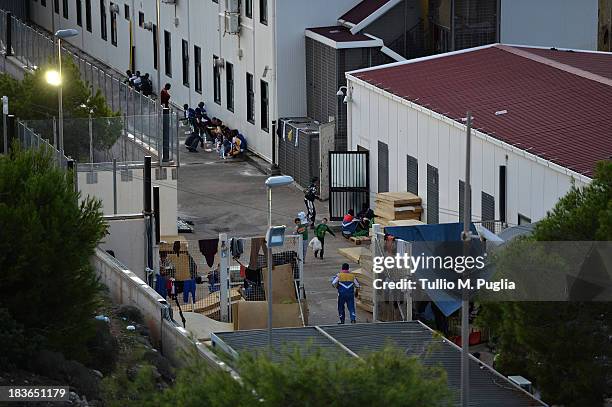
x=349 y=115
x=189 y=47
x=274 y=76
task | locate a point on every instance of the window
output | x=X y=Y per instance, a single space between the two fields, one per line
x=502 y=193
x=216 y=80
x=65 y=8
x=126 y=12
x=79 y=13
x=141 y=19
x=113 y=17
x=488 y=211
x=185 y=57
x=155 y=57
x=103 y=31
x=433 y=196
x=412 y=175
x=250 y=98
x=523 y=220
x=168 y=53
x=383 y=167
x=248 y=8
x=229 y=85
x=263 y=11
x=43 y=3
x=56 y=6
x=197 y=65
x=265 y=103
x=88 y=14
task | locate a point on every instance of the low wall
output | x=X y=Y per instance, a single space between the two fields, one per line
x=126 y=288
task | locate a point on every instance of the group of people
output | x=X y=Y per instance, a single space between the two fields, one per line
x=141 y=83
x=229 y=143
x=357 y=225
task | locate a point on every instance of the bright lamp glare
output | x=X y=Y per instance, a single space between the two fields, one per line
x=53 y=78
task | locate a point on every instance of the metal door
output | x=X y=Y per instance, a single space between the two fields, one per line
x=349 y=182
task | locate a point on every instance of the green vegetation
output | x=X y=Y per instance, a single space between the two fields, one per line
x=34 y=100
x=385 y=378
x=48 y=289
x=565 y=347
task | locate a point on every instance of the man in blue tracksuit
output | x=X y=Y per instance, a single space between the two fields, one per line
x=346 y=283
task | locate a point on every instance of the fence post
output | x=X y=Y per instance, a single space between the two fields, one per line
x=9 y=34
x=376 y=229
x=10 y=130
x=224 y=289
x=165 y=134
x=91 y=152
x=114 y=186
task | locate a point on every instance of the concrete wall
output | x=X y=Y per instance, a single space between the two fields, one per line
x=550 y=23
x=127 y=239
x=201 y=23
x=533 y=185
x=127 y=289
x=130 y=194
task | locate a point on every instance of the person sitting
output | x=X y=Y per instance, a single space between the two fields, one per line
x=146 y=86
x=237 y=147
x=349 y=224
x=366 y=212
x=137 y=81
x=129 y=75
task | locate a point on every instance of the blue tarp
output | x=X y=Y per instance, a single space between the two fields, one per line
x=429 y=240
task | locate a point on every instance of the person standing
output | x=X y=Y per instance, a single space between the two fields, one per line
x=347 y=285
x=302 y=229
x=164 y=96
x=320 y=231
x=310 y=194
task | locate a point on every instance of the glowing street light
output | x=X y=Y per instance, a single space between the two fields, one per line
x=53 y=78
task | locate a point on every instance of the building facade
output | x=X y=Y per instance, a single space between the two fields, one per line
x=244 y=59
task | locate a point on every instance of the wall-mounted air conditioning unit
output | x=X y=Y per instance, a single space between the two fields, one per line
x=232 y=23
x=232 y=6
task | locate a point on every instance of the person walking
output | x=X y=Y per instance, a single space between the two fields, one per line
x=164 y=96
x=302 y=229
x=320 y=231
x=310 y=194
x=347 y=285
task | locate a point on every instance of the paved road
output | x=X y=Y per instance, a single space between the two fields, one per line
x=230 y=197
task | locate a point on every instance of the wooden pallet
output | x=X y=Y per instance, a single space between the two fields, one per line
x=358 y=240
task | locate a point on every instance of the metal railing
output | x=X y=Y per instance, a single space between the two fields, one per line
x=28 y=138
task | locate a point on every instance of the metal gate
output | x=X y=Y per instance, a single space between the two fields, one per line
x=349 y=182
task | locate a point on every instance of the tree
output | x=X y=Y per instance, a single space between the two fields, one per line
x=35 y=101
x=385 y=378
x=565 y=347
x=47 y=239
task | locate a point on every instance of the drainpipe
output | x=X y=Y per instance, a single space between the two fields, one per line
x=274 y=78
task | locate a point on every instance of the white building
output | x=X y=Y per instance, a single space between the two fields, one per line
x=242 y=91
x=541 y=122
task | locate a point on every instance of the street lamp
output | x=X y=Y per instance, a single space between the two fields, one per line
x=54 y=78
x=274 y=237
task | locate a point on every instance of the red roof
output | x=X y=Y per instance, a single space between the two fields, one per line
x=339 y=33
x=363 y=10
x=594 y=62
x=552 y=112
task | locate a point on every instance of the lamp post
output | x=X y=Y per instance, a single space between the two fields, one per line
x=54 y=78
x=271 y=183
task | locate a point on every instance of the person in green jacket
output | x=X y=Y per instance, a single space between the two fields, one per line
x=302 y=229
x=320 y=231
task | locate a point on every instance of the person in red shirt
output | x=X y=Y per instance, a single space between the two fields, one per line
x=164 y=96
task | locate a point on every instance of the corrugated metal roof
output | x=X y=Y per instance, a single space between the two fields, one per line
x=598 y=63
x=552 y=112
x=362 y=11
x=487 y=388
x=339 y=33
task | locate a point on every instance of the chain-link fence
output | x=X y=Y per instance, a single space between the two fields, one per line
x=193 y=273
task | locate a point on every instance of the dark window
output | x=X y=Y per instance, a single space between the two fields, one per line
x=79 y=13
x=168 y=53
x=229 y=85
x=65 y=8
x=103 y=31
x=433 y=196
x=185 y=57
x=56 y=6
x=462 y=200
x=126 y=12
x=488 y=211
x=502 y=193
x=141 y=19
x=412 y=175
x=263 y=11
x=265 y=104
x=250 y=91
x=216 y=80
x=113 y=17
x=383 y=167
x=43 y=3
x=155 y=57
x=215 y=1
x=197 y=57
x=523 y=220
x=248 y=8
x=88 y=14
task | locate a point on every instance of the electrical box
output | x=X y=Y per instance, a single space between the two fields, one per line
x=232 y=23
